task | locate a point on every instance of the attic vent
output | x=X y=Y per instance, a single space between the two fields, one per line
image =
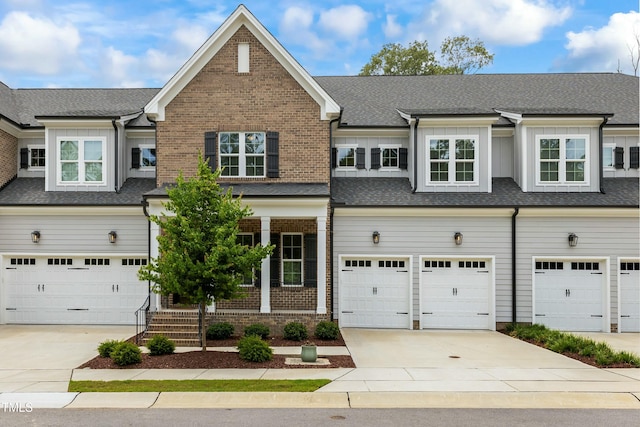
x=243 y=57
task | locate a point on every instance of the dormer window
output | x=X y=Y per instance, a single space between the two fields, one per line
x=81 y=160
x=562 y=160
x=452 y=160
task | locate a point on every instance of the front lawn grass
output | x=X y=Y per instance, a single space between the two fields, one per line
x=197 y=385
x=565 y=343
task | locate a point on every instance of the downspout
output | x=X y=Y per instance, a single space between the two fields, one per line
x=116 y=159
x=145 y=210
x=331 y=284
x=513 y=265
x=605 y=119
x=415 y=156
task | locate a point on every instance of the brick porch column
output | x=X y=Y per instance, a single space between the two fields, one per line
x=321 y=307
x=265 y=274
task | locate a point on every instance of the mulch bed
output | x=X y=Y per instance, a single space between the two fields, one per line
x=198 y=359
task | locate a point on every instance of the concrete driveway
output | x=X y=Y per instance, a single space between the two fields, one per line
x=41 y=357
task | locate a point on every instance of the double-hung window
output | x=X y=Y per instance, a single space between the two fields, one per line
x=452 y=160
x=242 y=154
x=562 y=160
x=81 y=160
x=292 y=259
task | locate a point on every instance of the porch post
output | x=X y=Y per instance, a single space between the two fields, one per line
x=265 y=274
x=321 y=222
x=154 y=252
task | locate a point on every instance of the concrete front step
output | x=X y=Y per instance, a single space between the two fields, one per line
x=179 y=327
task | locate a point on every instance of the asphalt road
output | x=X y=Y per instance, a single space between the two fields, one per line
x=322 y=417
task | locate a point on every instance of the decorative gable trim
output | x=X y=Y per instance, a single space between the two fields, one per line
x=155 y=109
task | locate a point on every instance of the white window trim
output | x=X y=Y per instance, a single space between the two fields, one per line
x=382 y=147
x=242 y=156
x=81 y=171
x=243 y=58
x=147 y=146
x=248 y=285
x=452 y=160
x=282 y=260
x=612 y=146
x=562 y=161
x=37 y=147
x=355 y=157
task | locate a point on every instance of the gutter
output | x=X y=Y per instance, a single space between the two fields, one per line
x=605 y=119
x=145 y=205
x=331 y=210
x=513 y=265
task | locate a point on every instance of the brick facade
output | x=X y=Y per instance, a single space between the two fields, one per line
x=267 y=98
x=8 y=156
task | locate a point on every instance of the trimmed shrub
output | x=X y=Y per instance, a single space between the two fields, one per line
x=220 y=331
x=159 y=345
x=295 y=331
x=326 y=330
x=126 y=353
x=257 y=329
x=253 y=349
x=106 y=347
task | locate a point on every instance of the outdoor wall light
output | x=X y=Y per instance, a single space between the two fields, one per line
x=35 y=236
x=573 y=240
x=457 y=238
x=112 y=236
x=376 y=237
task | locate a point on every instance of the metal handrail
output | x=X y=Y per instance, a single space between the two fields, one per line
x=142 y=322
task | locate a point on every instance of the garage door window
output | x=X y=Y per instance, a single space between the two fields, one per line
x=391 y=264
x=437 y=264
x=357 y=263
x=472 y=264
x=60 y=261
x=549 y=265
x=96 y=261
x=585 y=266
x=630 y=266
x=23 y=261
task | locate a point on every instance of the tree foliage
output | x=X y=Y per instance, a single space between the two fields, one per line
x=200 y=257
x=459 y=55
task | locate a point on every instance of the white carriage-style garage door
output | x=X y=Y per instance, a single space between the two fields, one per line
x=456 y=293
x=72 y=290
x=570 y=294
x=375 y=292
x=629 y=296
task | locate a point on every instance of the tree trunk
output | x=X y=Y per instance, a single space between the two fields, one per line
x=203 y=329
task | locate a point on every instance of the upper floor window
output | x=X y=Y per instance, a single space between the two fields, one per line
x=147 y=157
x=81 y=160
x=562 y=159
x=37 y=157
x=242 y=154
x=608 y=156
x=453 y=168
x=390 y=157
x=346 y=157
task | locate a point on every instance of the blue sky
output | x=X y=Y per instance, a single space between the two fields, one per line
x=142 y=43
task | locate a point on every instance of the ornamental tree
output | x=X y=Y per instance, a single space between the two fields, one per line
x=200 y=257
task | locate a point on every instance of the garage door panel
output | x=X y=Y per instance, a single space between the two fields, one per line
x=629 y=296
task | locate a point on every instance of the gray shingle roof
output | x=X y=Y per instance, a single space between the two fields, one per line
x=396 y=192
x=373 y=100
x=259 y=189
x=30 y=192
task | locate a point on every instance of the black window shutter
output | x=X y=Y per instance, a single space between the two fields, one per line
x=210 y=148
x=403 y=156
x=375 y=158
x=334 y=157
x=310 y=260
x=619 y=157
x=135 y=158
x=257 y=282
x=634 y=154
x=273 y=156
x=24 y=158
x=360 y=158
x=275 y=260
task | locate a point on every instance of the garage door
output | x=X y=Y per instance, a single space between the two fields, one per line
x=569 y=295
x=456 y=294
x=374 y=293
x=72 y=290
x=629 y=288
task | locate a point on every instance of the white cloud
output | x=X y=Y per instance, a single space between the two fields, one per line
x=600 y=49
x=120 y=68
x=346 y=22
x=37 y=44
x=296 y=28
x=505 y=22
x=391 y=28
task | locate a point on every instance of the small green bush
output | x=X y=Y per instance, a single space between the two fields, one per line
x=565 y=343
x=126 y=353
x=106 y=347
x=326 y=330
x=159 y=345
x=295 y=331
x=257 y=329
x=253 y=349
x=220 y=331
